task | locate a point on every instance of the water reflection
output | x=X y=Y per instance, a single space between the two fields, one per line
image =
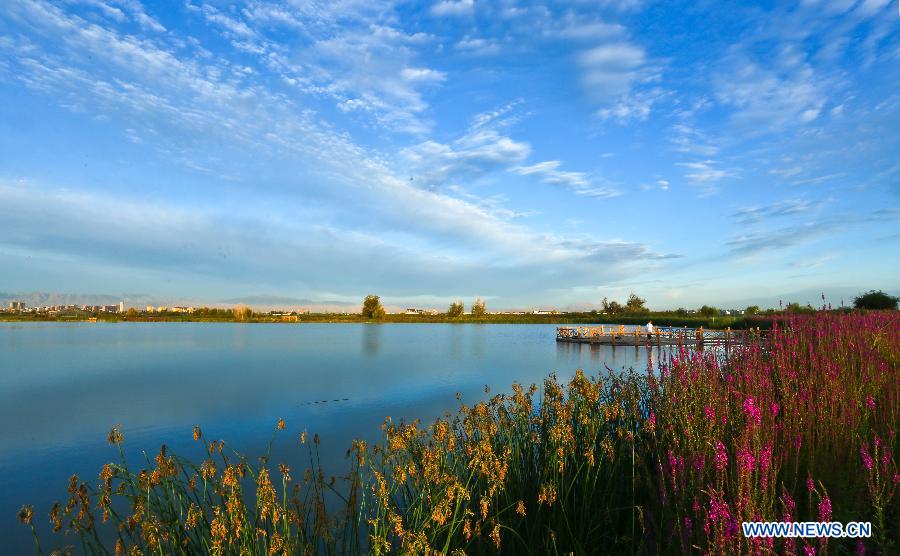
x=371 y=339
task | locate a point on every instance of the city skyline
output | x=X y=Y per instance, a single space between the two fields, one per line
x=525 y=153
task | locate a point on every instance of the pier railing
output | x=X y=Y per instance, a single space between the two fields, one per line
x=622 y=335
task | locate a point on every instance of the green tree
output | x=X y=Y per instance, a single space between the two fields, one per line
x=372 y=308
x=708 y=311
x=875 y=300
x=614 y=307
x=635 y=304
x=242 y=313
x=456 y=309
x=752 y=310
x=478 y=308
x=793 y=307
x=681 y=311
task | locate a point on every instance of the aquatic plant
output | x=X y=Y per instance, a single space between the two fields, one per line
x=799 y=427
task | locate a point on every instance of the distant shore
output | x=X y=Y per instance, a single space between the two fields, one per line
x=658 y=319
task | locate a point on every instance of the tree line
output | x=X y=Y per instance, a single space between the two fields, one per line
x=636 y=305
x=373 y=309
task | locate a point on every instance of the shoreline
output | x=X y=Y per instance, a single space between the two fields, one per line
x=576 y=319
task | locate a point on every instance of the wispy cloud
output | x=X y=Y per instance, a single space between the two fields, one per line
x=783 y=238
x=577 y=182
x=473 y=155
x=790 y=207
x=478 y=46
x=769 y=99
x=706 y=174
x=616 y=75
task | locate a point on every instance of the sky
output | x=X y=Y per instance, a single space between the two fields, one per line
x=532 y=154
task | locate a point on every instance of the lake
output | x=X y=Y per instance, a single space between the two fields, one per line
x=63 y=385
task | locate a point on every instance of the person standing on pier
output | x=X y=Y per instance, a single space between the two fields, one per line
x=650 y=329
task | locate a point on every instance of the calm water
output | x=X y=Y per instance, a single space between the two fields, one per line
x=63 y=385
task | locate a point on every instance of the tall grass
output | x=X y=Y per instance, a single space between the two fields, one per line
x=672 y=460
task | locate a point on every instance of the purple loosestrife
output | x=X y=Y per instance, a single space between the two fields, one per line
x=721 y=456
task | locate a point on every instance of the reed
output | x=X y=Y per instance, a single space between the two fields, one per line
x=667 y=461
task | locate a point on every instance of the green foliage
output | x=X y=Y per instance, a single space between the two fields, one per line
x=456 y=309
x=611 y=307
x=708 y=311
x=752 y=310
x=242 y=313
x=371 y=308
x=798 y=309
x=875 y=300
x=635 y=304
x=478 y=308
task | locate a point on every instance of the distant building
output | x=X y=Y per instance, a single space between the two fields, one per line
x=178 y=309
x=415 y=311
x=110 y=308
x=545 y=312
x=16 y=305
x=162 y=309
x=151 y=309
x=121 y=306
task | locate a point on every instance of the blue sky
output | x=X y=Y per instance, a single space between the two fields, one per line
x=534 y=154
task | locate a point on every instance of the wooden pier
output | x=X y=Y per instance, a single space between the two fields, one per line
x=618 y=335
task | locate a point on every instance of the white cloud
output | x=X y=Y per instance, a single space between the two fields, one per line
x=688 y=139
x=479 y=152
x=576 y=182
x=453 y=7
x=704 y=171
x=611 y=69
x=423 y=75
x=478 y=46
x=790 y=207
x=772 y=98
x=549 y=172
x=707 y=174
x=616 y=76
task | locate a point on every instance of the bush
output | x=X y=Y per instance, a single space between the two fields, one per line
x=456 y=309
x=371 y=308
x=875 y=300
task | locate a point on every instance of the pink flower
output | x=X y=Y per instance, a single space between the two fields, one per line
x=870 y=402
x=746 y=460
x=866 y=457
x=825 y=509
x=765 y=457
x=721 y=456
x=789 y=506
x=752 y=411
x=810 y=486
x=709 y=412
x=774 y=409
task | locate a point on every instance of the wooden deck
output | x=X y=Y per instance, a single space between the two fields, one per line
x=619 y=335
